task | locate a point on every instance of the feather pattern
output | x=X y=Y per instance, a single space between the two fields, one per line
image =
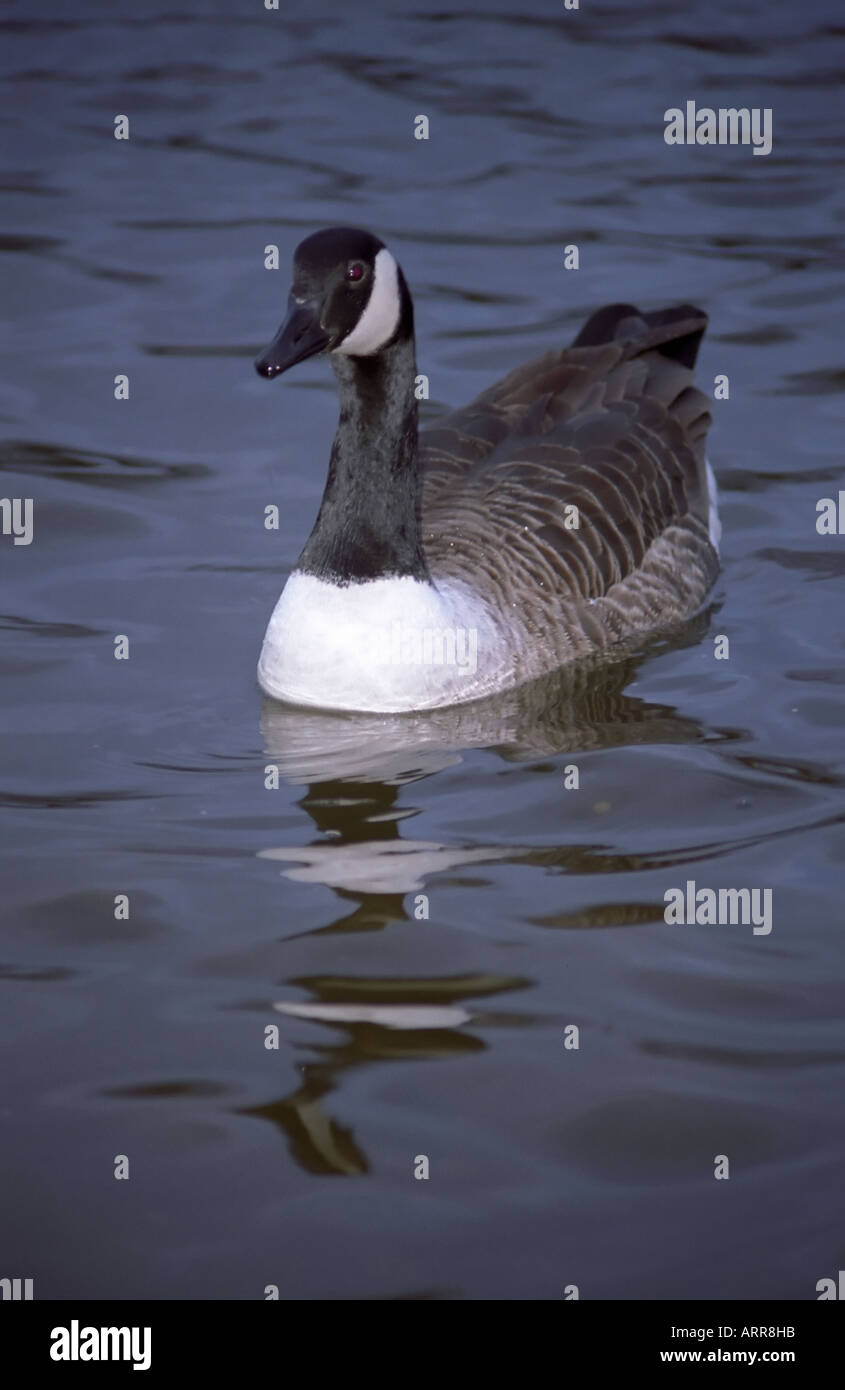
x=612 y=427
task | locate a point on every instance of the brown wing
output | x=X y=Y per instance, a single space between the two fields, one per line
x=611 y=427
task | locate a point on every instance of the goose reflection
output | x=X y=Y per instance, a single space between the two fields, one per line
x=356 y=765
x=382 y=1021
x=581 y=707
x=357 y=769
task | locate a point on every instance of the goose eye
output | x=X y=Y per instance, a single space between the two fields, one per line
x=355 y=271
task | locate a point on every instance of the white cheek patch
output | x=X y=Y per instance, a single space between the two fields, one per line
x=380 y=318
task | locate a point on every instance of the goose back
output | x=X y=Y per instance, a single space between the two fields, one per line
x=611 y=427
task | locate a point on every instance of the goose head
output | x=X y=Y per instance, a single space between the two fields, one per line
x=348 y=296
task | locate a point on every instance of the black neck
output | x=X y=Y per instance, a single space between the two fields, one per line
x=368 y=526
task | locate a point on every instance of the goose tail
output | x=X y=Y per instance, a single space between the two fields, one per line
x=665 y=344
x=675 y=333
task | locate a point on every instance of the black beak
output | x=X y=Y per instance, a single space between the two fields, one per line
x=300 y=336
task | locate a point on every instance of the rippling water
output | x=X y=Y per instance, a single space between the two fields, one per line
x=300 y=907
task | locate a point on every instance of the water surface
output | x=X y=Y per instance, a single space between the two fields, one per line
x=300 y=908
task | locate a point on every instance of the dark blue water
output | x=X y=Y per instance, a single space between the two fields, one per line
x=400 y=1035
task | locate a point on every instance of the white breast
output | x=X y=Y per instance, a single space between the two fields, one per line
x=387 y=645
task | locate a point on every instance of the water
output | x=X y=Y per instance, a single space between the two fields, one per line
x=299 y=907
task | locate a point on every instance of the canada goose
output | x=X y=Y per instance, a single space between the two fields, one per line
x=568 y=507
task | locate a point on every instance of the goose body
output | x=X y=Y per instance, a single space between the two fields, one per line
x=567 y=508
